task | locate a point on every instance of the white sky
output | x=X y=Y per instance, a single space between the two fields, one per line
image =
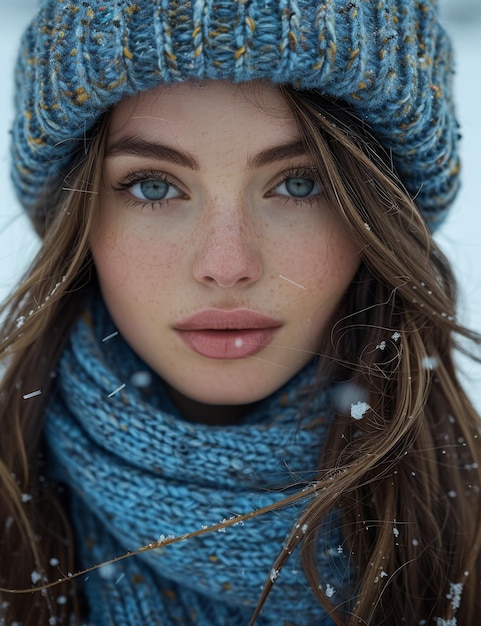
x=460 y=236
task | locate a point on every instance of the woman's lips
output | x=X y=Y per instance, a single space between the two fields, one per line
x=227 y=334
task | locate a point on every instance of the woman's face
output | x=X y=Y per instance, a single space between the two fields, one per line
x=219 y=259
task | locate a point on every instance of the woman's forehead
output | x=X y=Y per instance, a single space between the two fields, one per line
x=196 y=101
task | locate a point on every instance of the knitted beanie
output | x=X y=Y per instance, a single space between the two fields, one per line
x=389 y=59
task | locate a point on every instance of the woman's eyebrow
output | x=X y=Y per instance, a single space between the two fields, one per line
x=277 y=153
x=143 y=148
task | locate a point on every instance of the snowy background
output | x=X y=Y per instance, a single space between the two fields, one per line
x=460 y=236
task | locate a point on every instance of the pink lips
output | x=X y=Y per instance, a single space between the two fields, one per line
x=227 y=334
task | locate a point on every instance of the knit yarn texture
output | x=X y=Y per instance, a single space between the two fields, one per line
x=136 y=471
x=389 y=59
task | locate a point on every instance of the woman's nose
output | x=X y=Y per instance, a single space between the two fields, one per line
x=228 y=250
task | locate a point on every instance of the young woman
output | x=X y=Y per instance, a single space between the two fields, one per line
x=228 y=376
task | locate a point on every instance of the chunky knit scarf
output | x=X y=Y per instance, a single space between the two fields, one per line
x=136 y=470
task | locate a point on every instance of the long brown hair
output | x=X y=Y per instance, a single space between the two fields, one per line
x=405 y=478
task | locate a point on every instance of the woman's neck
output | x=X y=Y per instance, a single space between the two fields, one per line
x=209 y=414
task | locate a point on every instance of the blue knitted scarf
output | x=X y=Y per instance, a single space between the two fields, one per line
x=136 y=470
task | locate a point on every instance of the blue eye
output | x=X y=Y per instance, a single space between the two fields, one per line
x=298 y=187
x=154 y=190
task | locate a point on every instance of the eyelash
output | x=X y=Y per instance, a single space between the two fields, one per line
x=134 y=178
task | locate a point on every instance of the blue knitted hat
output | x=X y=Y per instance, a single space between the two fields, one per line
x=389 y=59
